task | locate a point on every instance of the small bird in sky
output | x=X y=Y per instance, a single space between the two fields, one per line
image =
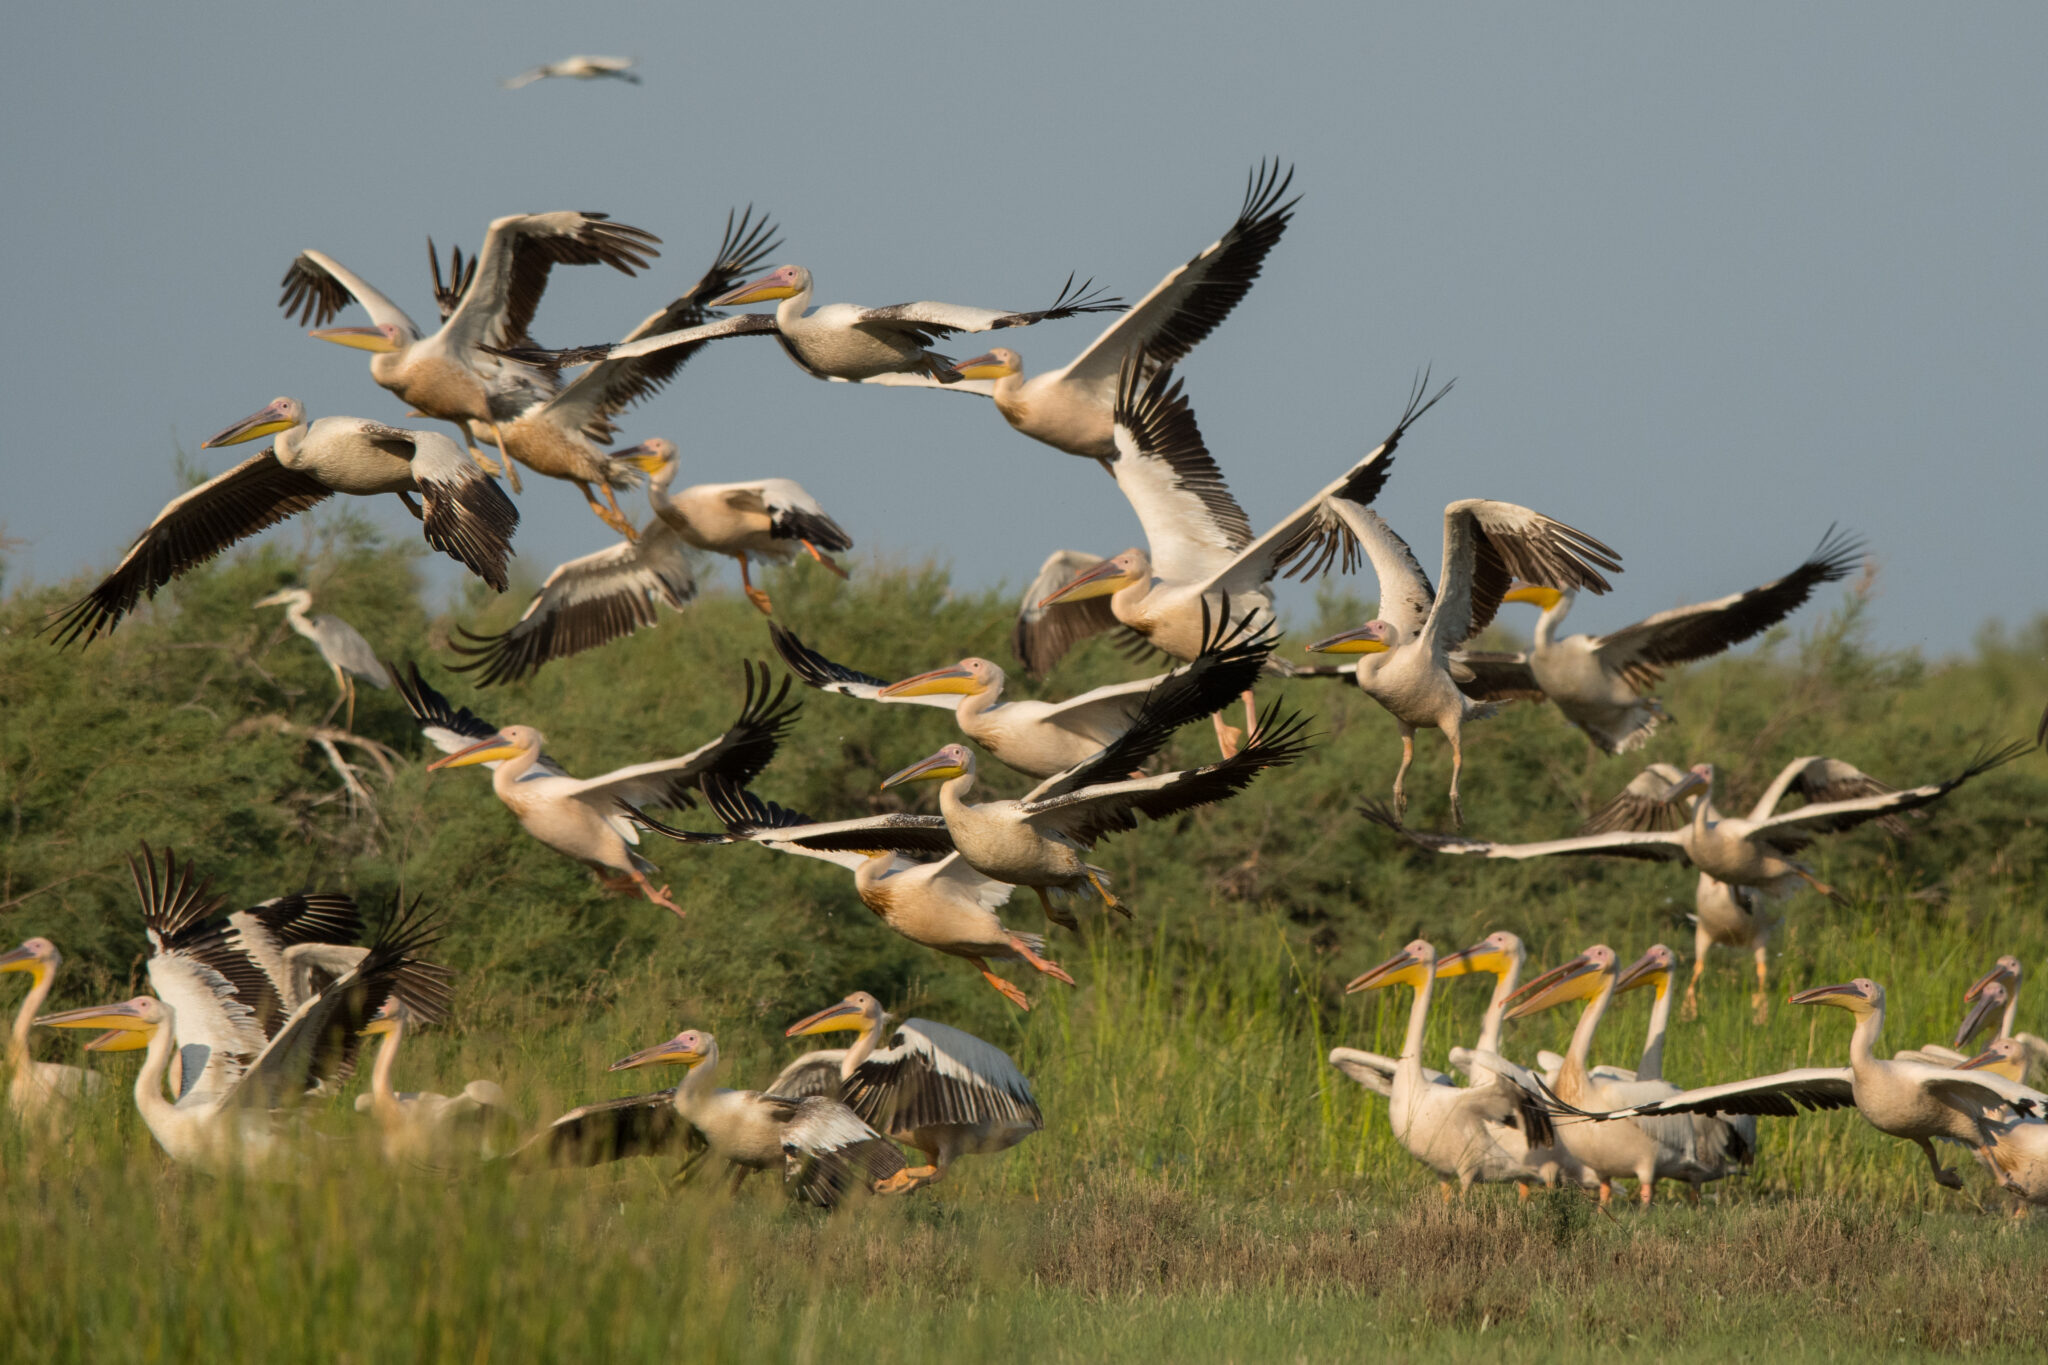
x=581 y=68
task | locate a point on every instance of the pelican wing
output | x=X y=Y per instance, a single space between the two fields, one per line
x=738 y=755
x=1652 y=845
x=1405 y=595
x=1783 y=1094
x=828 y=1151
x=931 y=1074
x=1494 y=676
x=792 y=513
x=1194 y=298
x=612 y=1130
x=585 y=603
x=1044 y=633
x=814 y=1073
x=1820 y=779
x=1487 y=545
x=195 y=526
x=317 y=287
x=512 y=271
x=928 y=321
x=451 y=729
x=467 y=517
x=1828 y=817
x=1982 y=1089
x=1640 y=653
x=815 y=670
x=1369 y=1069
x=1195 y=528
x=1644 y=804
x=220 y=995
x=845 y=843
x=989 y=893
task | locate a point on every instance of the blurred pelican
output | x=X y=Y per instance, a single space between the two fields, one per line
x=347 y=653
x=421 y=1126
x=40 y=1094
x=577 y=68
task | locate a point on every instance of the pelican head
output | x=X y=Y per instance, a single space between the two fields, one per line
x=1861 y=997
x=281 y=415
x=783 y=282
x=2006 y=971
x=651 y=456
x=1497 y=953
x=687 y=1048
x=1112 y=575
x=969 y=677
x=1986 y=999
x=509 y=742
x=859 y=1012
x=131 y=1024
x=288 y=597
x=1699 y=777
x=382 y=338
x=1000 y=363
x=1412 y=966
x=1653 y=968
x=1582 y=978
x=2006 y=1057
x=1374 y=637
x=389 y=1019
x=1541 y=597
x=950 y=762
x=37 y=956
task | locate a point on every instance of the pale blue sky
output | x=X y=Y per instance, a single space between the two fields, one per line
x=1708 y=280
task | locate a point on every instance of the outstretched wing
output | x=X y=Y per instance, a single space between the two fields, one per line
x=1654 y=846
x=452 y=729
x=1193 y=525
x=1044 y=633
x=1828 y=817
x=316 y=287
x=932 y=1074
x=1487 y=545
x=512 y=271
x=820 y=672
x=467 y=516
x=828 y=1151
x=738 y=755
x=928 y=321
x=1644 y=804
x=592 y=1134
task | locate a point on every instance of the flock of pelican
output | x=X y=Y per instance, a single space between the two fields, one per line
x=254 y=1013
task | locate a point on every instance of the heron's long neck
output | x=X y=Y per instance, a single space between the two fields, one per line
x=1496 y=1008
x=1651 y=1067
x=383 y=1095
x=299 y=620
x=862 y=1049
x=38 y=991
x=1418 y=1018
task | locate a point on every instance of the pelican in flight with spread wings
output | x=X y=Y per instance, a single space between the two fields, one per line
x=590 y=819
x=342 y=647
x=1407 y=666
x=935 y=1088
x=581 y=67
x=1070 y=408
x=466 y=516
x=40 y=1095
x=1602 y=682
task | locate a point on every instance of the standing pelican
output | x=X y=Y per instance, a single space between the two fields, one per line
x=588 y=818
x=466 y=515
x=935 y=1088
x=1722 y=1146
x=39 y=1094
x=346 y=652
x=1407 y=665
x=578 y=68
x=422 y=1126
x=1996 y=994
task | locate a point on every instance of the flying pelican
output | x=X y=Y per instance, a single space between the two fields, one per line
x=1737 y=851
x=227 y=1117
x=824 y=1148
x=1069 y=408
x=448 y=297
x=1910 y=1100
x=466 y=516
x=347 y=653
x=580 y=67
x=1200 y=542
x=1044 y=738
x=843 y=342
x=1602 y=682
x=944 y=1092
x=40 y=1093
x=766 y=518
x=944 y=905
x=585 y=818
x=423 y=1126
x=1407 y=666
x=459 y=373
x=1451 y=1129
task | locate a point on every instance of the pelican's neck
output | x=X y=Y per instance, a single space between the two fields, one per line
x=512 y=769
x=383 y=1095
x=700 y=1084
x=1651 y=1067
x=953 y=794
x=291 y=441
x=1496 y=1008
x=862 y=1049
x=1418 y=1019
x=157 y=1111
x=1552 y=617
x=2012 y=1009
x=791 y=310
x=975 y=705
x=1578 y=1056
x=1863 y=1042
x=41 y=979
x=1703 y=810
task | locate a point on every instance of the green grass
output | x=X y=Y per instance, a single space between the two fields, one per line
x=1205 y=1184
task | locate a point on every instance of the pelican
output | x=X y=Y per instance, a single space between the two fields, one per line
x=1450 y=1129
x=946 y=1093
x=579 y=68
x=1044 y=738
x=1407 y=666
x=843 y=342
x=40 y=1093
x=765 y=518
x=1602 y=682
x=944 y=905
x=561 y=434
x=1910 y=1100
x=2015 y=1148
x=227 y=1117
x=466 y=516
x=424 y=1126
x=1722 y=1146
x=448 y=297
x=1649 y=1150
x=1996 y=994
x=458 y=374
x=823 y=1147
x=1070 y=408
x=1733 y=850
x=341 y=645
x=583 y=818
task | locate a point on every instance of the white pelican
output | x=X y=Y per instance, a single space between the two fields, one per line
x=40 y=1094
x=1995 y=995
x=1741 y=852
x=843 y=342
x=422 y=1126
x=1407 y=665
x=341 y=645
x=459 y=374
x=581 y=67
x=944 y=1092
x=1602 y=682
x=2015 y=1148
x=466 y=515
x=586 y=818
x=1451 y=1129
x=944 y=905
x=824 y=1149
x=1910 y=1100
x=1722 y=1146
x=562 y=434
x=1069 y=408
x=1044 y=738
x=1648 y=1150
x=765 y=518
